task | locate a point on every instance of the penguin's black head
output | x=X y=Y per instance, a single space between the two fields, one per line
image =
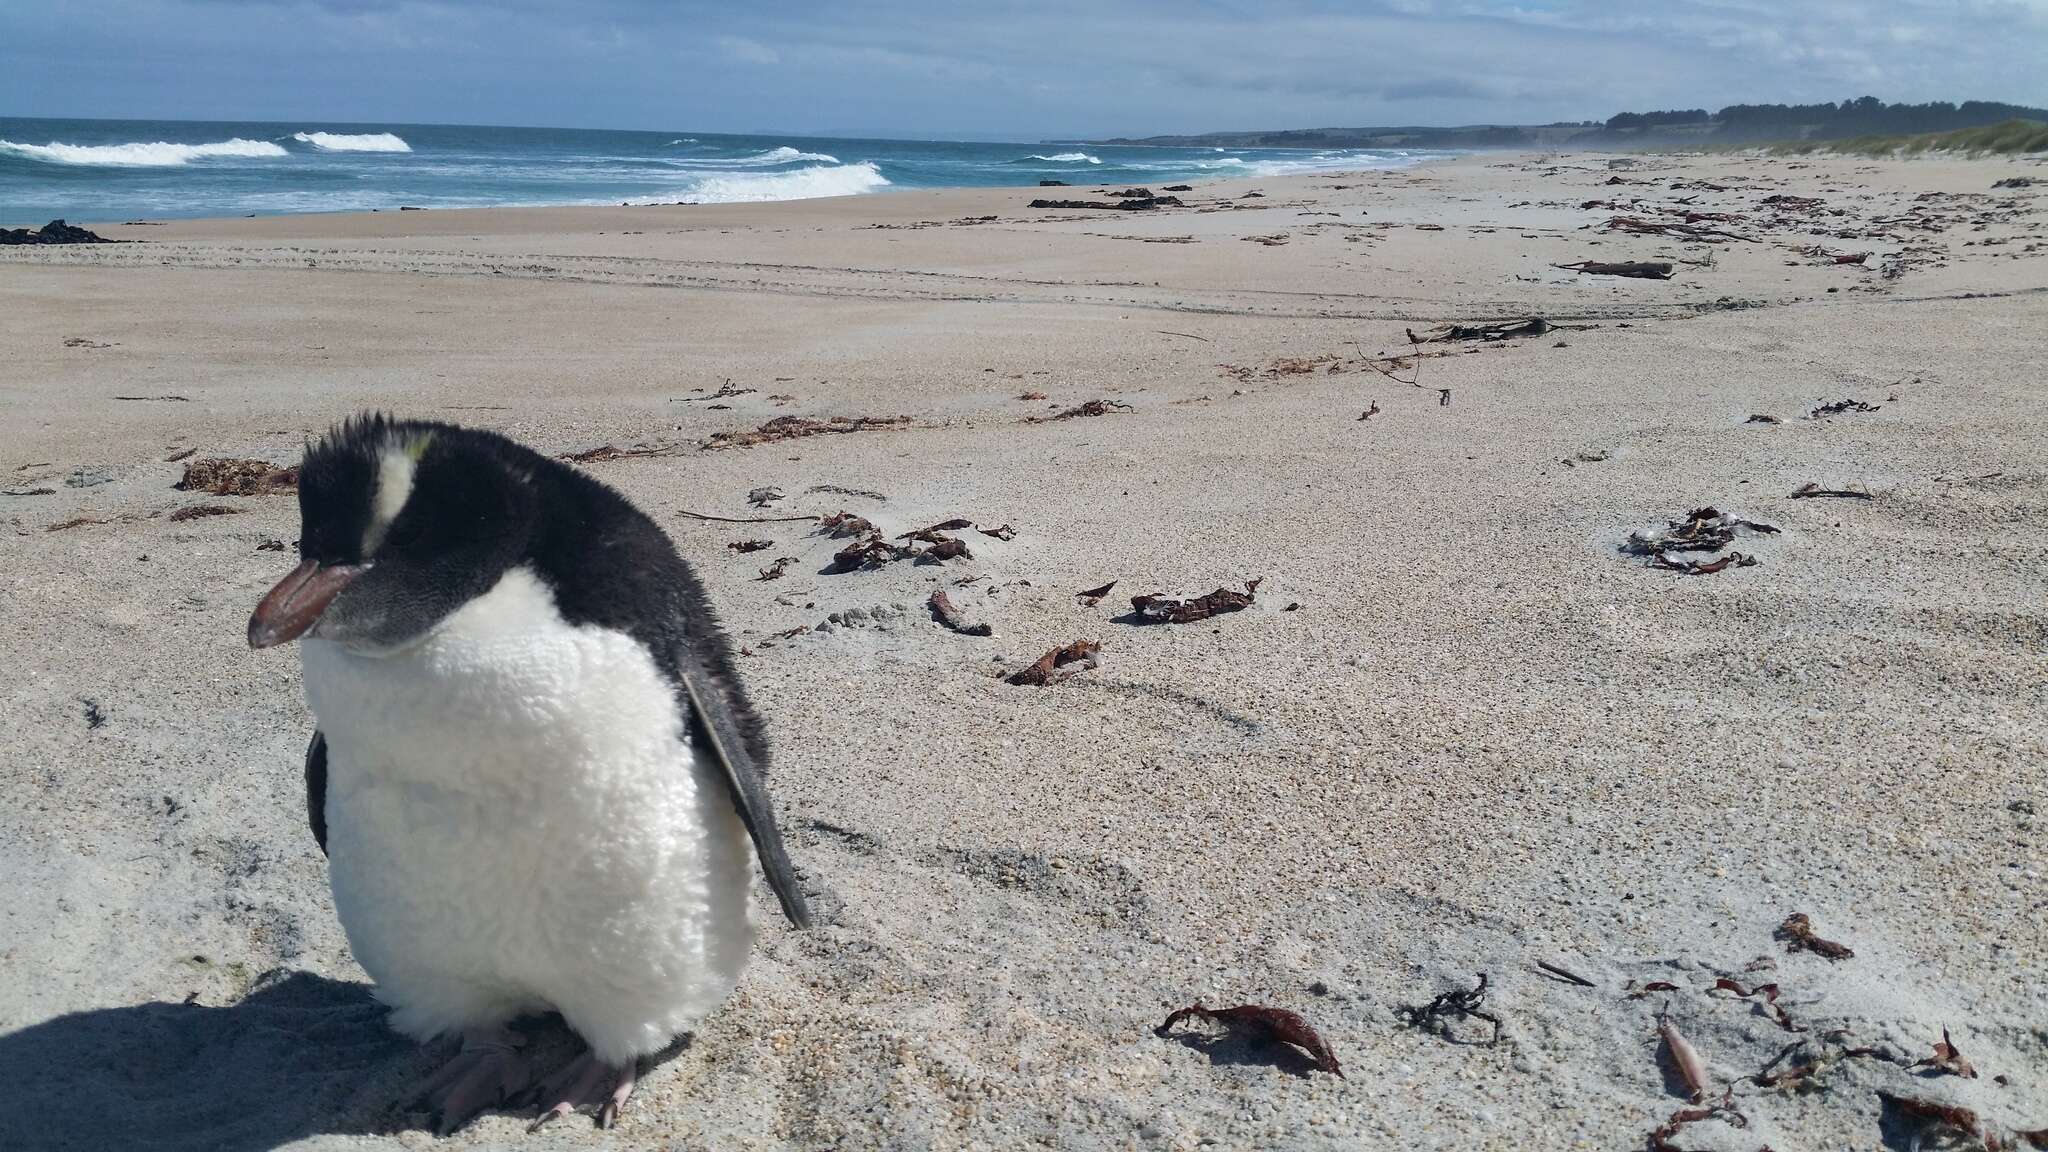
x=400 y=523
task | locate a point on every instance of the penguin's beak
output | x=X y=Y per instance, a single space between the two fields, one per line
x=286 y=611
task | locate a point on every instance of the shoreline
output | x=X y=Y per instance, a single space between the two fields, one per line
x=1081 y=187
x=1460 y=729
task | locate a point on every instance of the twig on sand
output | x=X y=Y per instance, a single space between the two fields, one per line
x=1186 y=335
x=1810 y=489
x=741 y=519
x=1565 y=974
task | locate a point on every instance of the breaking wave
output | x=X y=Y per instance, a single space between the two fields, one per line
x=339 y=142
x=788 y=155
x=159 y=154
x=757 y=187
x=1067 y=158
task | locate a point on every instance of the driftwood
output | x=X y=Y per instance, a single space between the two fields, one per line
x=1534 y=326
x=1638 y=269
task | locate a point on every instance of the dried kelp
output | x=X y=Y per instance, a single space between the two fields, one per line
x=1093 y=596
x=1689 y=230
x=229 y=477
x=1948 y=1058
x=203 y=511
x=947 y=548
x=838 y=491
x=1505 y=330
x=930 y=534
x=1769 y=993
x=1059 y=664
x=1462 y=1003
x=1702 y=530
x=1160 y=610
x=1660 y=1139
x=744 y=546
x=725 y=391
x=1000 y=532
x=870 y=551
x=843 y=524
x=604 y=452
x=1702 y=567
x=798 y=427
x=1270 y=1025
x=1091 y=408
x=1939 y=1115
x=945 y=612
x=774 y=571
x=1798 y=934
x=1838 y=407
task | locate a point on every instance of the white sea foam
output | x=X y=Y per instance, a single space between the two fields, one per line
x=1067 y=158
x=788 y=155
x=342 y=142
x=756 y=187
x=683 y=140
x=153 y=155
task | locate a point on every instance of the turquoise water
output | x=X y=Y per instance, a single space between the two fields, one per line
x=110 y=170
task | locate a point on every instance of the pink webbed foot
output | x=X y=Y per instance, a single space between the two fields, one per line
x=585 y=1080
x=488 y=1072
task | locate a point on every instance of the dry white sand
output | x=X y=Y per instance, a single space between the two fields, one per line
x=1484 y=739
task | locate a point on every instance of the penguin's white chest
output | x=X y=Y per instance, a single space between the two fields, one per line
x=515 y=822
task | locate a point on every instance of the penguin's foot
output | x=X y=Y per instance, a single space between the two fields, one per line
x=582 y=1082
x=488 y=1072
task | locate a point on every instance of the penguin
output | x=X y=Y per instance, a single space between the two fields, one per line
x=536 y=777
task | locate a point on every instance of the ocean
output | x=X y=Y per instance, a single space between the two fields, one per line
x=111 y=170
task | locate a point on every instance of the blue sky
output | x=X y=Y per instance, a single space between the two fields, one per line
x=1011 y=69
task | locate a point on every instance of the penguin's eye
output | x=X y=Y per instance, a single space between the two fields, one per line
x=405 y=532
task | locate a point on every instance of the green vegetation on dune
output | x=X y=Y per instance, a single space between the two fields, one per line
x=2006 y=138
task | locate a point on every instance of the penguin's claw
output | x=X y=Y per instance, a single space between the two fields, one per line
x=489 y=1071
x=582 y=1082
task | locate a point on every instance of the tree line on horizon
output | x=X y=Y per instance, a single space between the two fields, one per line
x=1863 y=116
x=1746 y=124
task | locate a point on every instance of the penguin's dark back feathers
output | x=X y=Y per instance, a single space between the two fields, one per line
x=605 y=561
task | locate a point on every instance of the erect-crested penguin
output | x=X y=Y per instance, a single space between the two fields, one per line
x=535 y=772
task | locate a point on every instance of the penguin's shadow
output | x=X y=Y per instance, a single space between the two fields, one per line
x=300 y=1056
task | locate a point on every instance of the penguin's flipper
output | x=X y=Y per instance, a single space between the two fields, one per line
x=316 y=788
x=715 y=729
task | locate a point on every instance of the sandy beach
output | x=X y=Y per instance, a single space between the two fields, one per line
x=1459 y=730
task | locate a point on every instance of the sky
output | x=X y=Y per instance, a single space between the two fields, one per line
x=997 y=69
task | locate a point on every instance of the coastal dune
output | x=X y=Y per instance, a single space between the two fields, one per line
x=1461 y=728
